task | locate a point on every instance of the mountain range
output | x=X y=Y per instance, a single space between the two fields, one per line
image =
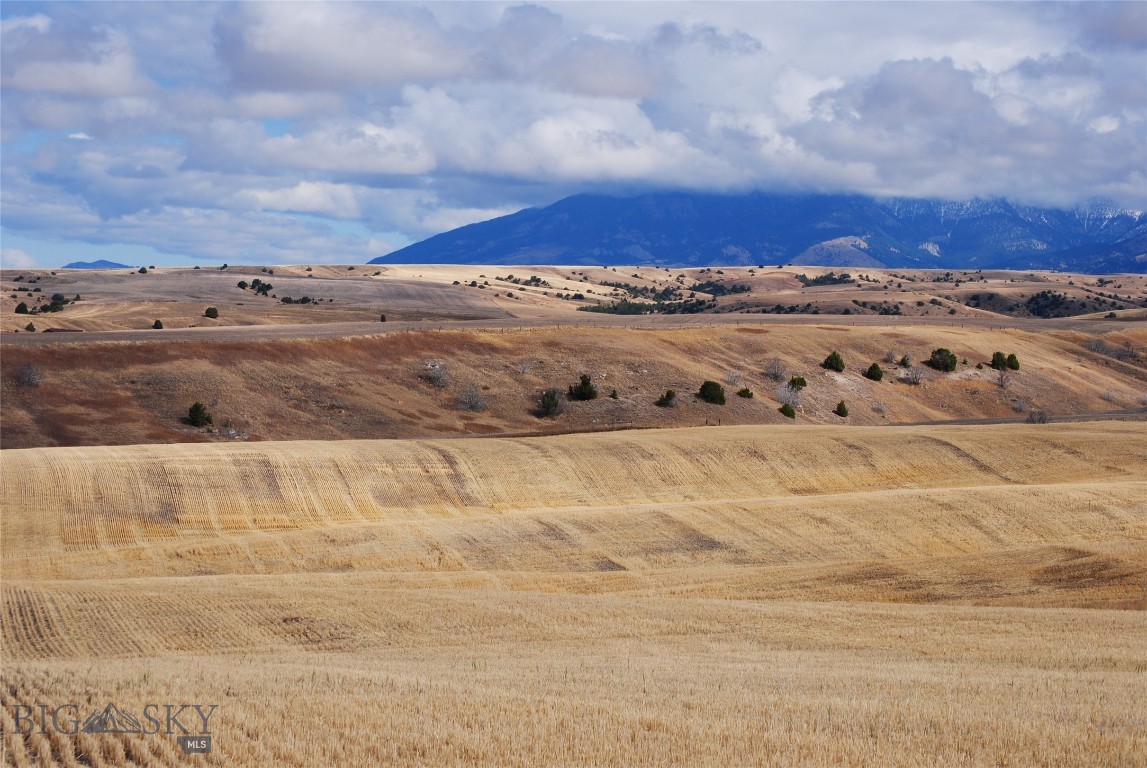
x=101 y=264
x=689 y=229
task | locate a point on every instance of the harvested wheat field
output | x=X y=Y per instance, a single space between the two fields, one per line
x=751 y=595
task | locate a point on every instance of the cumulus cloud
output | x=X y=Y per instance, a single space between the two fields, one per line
x=198 y=129
x=331 y=147
x=301 y=46
x=335 y=200
x=41 y=57
x=927 y=130
x=14 y=258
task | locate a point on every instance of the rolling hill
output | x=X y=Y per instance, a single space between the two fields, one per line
x=827 y=592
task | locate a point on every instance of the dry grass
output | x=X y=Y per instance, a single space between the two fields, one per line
x=125 y=300
x=726 y=596
x=365 y=388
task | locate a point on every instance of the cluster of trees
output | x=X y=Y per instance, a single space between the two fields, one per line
x=258 y=286
x=830 y=279
x=55 y=304
x=1002 y=362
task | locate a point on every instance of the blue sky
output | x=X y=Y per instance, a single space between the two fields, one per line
x=196 y=133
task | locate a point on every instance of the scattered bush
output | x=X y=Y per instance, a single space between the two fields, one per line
x=29 y=375
x=789 y=395
x=22 y=308
x=197 y=415
x=914 y=375
x=834 y=362
x=775 y=369
x=787 y=410
x=613 y=394
x=906 y=361
x=999 y=361
x=436 y=375
x=712 y=392
x=890 y=357
x=797 y=383
x=733 y=378
x=841 y=410
x=382 y=318
x=979 y=366
x=1037 y=417
x=211 y=312
x=1013 y=362
x=668 y=400
x=583 y=390
x=1124 y=352
x=874 y=372
x=745 y=392
x=143 y=270
x=549 y=403
x=157 y=325
x=30 y=327
x=472 y=399
x=942 y=359
x=242 y=285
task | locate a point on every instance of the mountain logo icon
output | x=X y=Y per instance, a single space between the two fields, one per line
x=111 y=720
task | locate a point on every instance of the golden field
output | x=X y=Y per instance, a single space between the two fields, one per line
x=747 y=595
x=357 y=568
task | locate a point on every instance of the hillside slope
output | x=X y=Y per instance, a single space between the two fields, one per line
x=377 y=387
x=707 y=596
x=732 y=500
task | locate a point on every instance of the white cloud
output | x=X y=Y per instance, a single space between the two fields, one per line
x=305 y=46
x=278 y=104
x=38 y=23
x=337 y=200
x=102 y=68
x=332 y=147
x=14 y=258
x=143 y=122
x=1104 y=124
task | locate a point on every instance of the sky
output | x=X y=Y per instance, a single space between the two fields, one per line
x=282 y=132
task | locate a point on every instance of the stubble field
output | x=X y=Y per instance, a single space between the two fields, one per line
x=709 y=596
x=356 y=565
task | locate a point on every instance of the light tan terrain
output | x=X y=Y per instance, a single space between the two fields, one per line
x=378 y=554
x=826 y=595
x=119 y=301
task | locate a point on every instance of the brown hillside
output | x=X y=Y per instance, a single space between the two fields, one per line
x=372 y=387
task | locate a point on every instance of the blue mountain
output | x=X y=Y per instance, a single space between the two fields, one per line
x=688 y=229
x=101 y=264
